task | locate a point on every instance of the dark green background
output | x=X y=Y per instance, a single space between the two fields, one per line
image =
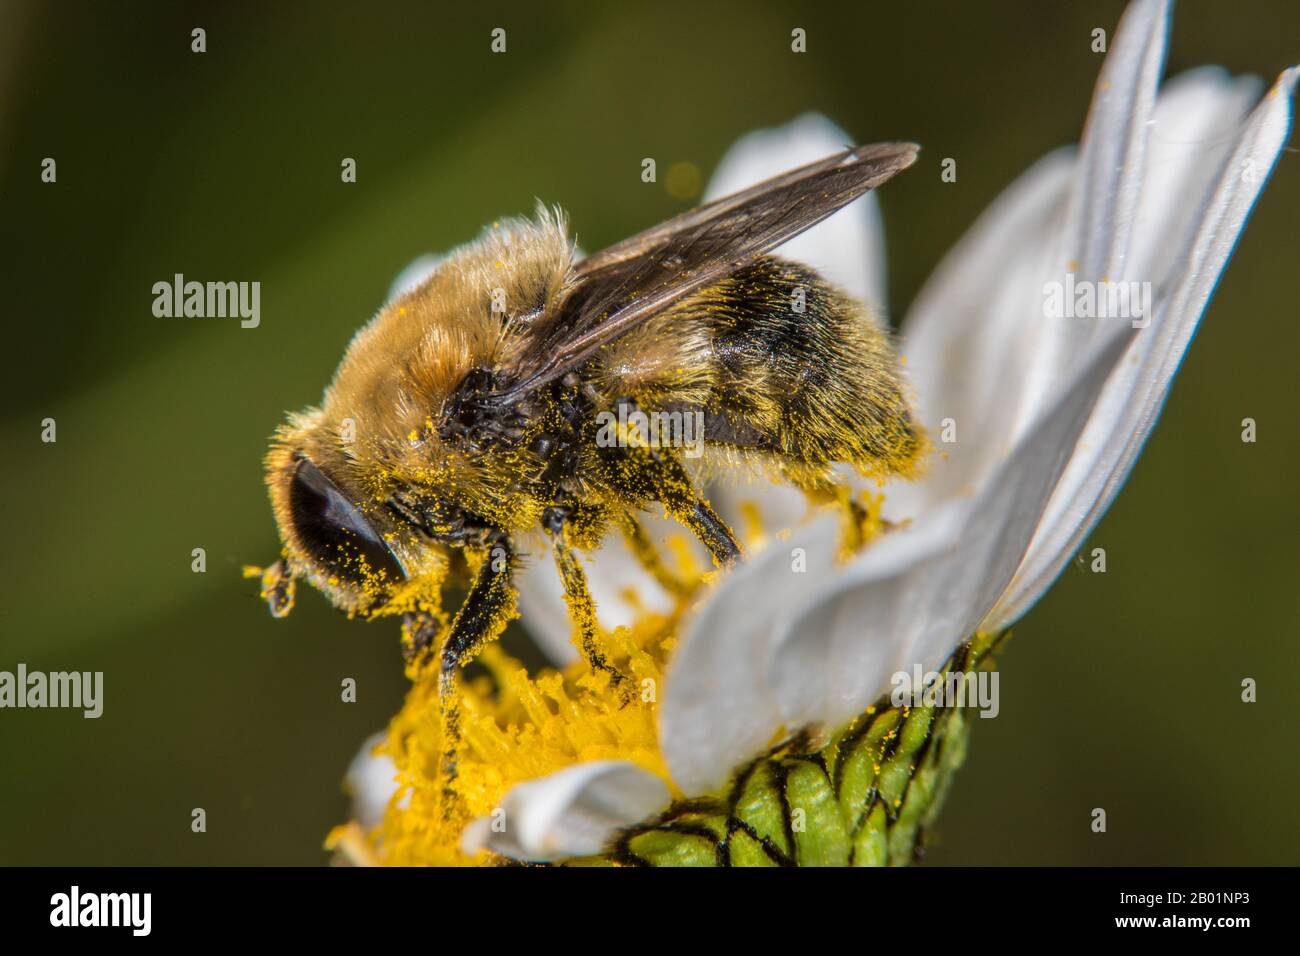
x=1119 y=691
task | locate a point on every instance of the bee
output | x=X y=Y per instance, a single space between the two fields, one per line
x=469 y=411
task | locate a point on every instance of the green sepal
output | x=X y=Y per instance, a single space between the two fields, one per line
x=868 y=797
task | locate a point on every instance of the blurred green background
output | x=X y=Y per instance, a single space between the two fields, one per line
x=1119 y=691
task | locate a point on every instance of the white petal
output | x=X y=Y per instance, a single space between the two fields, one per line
x=1107 y=186
x=885 y=615
x=848 y=248
x=372 y=781
x=1133 y=399
x=718 y=708
x=414 y=274
x=1105 y=198
x=1197 y=121
x=971 y=334
x=572 y=812
x=763 y=658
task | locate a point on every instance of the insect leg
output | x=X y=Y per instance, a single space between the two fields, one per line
x=656 y=473
x=644 y=550
x=278 y=586
x=582 y=609
x=713 y=531
x=420 y=631
x=487 y=609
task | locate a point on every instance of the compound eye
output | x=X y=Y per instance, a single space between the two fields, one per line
x=333 y=531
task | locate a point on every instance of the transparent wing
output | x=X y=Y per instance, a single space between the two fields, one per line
x=620 y=287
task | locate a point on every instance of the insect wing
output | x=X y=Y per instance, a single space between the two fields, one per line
x=634 y=280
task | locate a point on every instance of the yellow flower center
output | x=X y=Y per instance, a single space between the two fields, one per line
x=516 y=727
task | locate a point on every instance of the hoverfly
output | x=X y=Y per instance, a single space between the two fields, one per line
x=465 y=413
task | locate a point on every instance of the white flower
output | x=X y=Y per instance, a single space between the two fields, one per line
x=1050 y=413
x=371 y=781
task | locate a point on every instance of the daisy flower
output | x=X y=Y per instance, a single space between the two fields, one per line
x=763 y=731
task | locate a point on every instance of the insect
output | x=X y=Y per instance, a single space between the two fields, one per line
x=467 y=413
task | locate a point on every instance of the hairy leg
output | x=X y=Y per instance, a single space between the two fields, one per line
x=644 y=550
x=644 y=472
x=480 y=620
x=582 y=608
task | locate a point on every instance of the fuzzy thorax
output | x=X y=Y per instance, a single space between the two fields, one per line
x=377 y=428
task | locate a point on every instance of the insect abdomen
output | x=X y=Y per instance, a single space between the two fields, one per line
x=790 y=364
